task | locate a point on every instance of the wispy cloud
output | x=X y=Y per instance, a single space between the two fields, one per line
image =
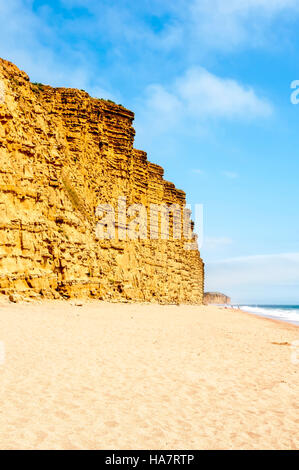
x=230 y=174
x=254 y=276
x=221 y=24
x=101 y=41
x=34 y=41
x=196 y=96
x=226 y=24
x=206 y=94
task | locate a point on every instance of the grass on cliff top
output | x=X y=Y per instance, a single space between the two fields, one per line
x=111 y=102
x=36 y=86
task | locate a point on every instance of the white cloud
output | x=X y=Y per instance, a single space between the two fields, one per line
x=205 y=94
x=274 y=276
x=225 y=24
x=127 y=22
x=218 y=22
x=162 y=100
x=193 y=98
x=34 y=39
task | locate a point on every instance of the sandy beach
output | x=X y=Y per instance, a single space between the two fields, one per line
x=130 y=376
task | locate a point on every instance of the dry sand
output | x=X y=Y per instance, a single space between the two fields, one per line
x=128 y=376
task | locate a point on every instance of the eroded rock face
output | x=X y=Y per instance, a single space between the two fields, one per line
x=216 y=298
x=61 y=154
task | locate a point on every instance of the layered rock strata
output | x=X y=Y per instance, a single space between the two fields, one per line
x=216 y=298
x=62 y=153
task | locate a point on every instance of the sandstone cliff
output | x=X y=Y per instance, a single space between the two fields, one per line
x=216 y=298
x=61 y=154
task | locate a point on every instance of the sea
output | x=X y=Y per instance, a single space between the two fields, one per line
x=287 y=313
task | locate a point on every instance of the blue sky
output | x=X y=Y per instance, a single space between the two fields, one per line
x=209 y=83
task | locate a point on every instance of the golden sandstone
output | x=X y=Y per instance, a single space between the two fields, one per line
x=62 y=154
x=216 y=298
